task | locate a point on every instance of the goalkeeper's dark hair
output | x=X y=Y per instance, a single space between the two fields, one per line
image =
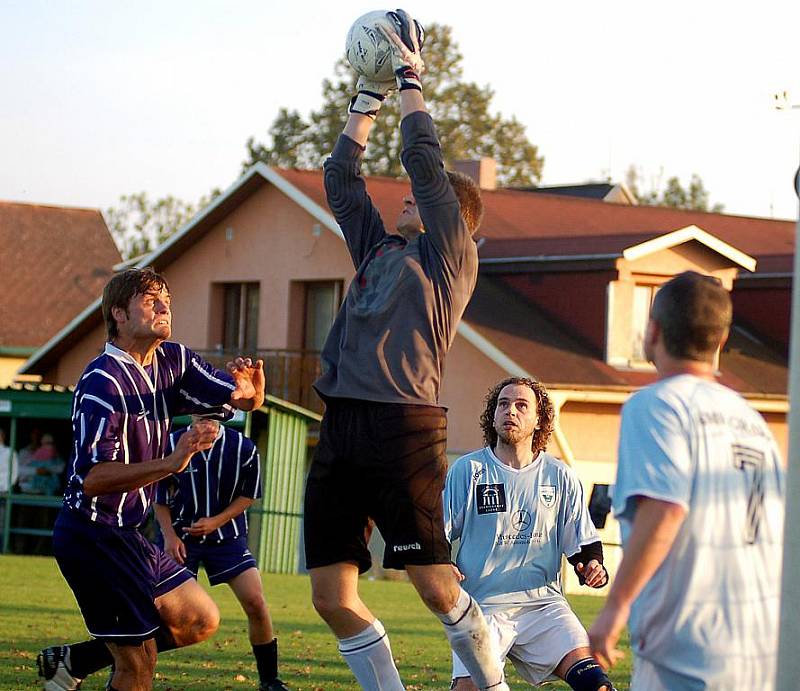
x=694 y=313
x=544 y=409
x=469 y=197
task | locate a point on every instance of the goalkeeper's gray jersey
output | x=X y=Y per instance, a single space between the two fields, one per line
x=711 y=609
x=514 y=525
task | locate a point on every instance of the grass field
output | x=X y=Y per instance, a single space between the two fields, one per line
x=37 y=609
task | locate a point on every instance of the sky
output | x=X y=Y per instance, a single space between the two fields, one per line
x=101 y=98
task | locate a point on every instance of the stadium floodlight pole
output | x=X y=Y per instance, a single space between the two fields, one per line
x=788 y=659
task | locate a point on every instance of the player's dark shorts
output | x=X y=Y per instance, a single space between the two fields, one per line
x=116 y=574
x=223 y=561
x=383 y=461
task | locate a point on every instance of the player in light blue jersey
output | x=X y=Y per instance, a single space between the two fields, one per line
x=516 y=510
x=202 y=513
x=700 y=500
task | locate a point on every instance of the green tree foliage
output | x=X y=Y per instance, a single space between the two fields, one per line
x=695 y=196
x=139 y=224
x=466 y=127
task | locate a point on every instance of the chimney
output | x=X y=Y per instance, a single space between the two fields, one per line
x=481 y=170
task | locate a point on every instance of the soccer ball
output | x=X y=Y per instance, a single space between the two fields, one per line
x=368 y=49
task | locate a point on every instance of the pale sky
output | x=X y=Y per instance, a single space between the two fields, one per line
x=100 y=98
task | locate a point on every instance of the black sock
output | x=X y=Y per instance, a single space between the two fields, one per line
x=266 y=659
x=88 y=657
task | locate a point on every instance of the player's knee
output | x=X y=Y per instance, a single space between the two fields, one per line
x=437 y=596
x=255 y=606
x=197 y=625
x=587 y=675
x=207 y=622
x=327 y=605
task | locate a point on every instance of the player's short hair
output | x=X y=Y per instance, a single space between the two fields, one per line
x=694 y=313
x=123 y=287
x=469 y=197
x=544 y=409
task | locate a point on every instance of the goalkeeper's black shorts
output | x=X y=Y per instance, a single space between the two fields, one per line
x=379 y=461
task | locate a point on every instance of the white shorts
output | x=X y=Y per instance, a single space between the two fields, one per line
x=534 y=637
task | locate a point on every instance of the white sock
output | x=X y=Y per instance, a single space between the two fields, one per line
x=469 y=638
x=369 y=657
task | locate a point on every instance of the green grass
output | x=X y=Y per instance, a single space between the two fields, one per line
x=37 y=609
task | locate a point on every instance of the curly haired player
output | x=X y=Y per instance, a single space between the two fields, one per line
x=516 y=509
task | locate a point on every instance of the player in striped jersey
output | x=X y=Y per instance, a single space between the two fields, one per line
x=699 y=497
x=516 y=510
x=202 y=512
x=135 y=599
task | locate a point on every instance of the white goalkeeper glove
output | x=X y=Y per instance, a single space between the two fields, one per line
x=370 y=96
x=406 y=36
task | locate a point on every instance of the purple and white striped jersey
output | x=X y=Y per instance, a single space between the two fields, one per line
x=210 y=483
x=121 y=413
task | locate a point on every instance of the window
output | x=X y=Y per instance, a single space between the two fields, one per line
x=642 y=301
x=240 y=317
x=322 y=302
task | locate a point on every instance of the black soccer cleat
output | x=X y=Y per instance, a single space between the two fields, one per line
x=53 y=666
x=274 y=685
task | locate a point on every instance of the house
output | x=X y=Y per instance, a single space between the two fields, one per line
x=53 y=261
x=564 y=290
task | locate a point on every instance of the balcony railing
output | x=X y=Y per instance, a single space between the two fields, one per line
x=289 y=373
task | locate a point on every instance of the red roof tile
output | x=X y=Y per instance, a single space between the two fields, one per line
x=513 y=218
x=53 y=262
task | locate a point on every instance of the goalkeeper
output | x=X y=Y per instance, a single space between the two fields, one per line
x=383 y=438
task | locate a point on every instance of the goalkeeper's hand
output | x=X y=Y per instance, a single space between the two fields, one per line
x=406 y=36
x=370 y=96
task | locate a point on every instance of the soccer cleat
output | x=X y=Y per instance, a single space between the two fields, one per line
x=53 y=666
x=274 y=685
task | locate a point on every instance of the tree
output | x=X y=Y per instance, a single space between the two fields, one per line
x=694 y=197
x=139 y=225
x=466 y=128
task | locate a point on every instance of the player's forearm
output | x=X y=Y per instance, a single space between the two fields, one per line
x=411 y=101
x=358 y=128
x=107 y=477
x=164 y=518
x=655 y=526
x=237 y=506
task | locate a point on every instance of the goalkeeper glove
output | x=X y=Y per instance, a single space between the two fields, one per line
x=369 y=96
x=405 y=36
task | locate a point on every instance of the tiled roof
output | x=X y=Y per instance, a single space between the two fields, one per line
x=518 y=223
x=53 y=262
x=551 y=353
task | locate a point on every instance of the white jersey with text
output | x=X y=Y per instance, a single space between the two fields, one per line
x=711 y=609
x=514 y=526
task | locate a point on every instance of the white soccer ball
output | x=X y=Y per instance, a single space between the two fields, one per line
x=367 y=49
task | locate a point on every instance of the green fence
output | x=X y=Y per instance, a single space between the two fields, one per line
x=276 y=525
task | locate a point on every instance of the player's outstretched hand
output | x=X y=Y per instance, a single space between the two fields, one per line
x=593 y=574
x=199 y=437
x=203 y=526
x=405 y=36
x=174 y=546
x=605 y=632
x=250 y=383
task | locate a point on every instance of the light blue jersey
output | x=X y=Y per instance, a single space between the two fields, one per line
x=514 y=526
x=711 y=610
